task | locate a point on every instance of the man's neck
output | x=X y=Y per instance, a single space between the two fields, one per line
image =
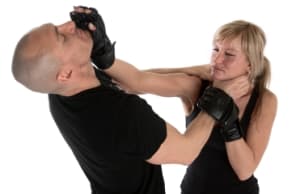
x=81 y=88
x=85 y=82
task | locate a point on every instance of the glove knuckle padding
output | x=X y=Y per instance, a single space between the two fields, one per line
x=219 y=105
x=80 y=20
x=103 y=52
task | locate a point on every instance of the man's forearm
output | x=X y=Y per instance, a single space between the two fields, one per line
x=198 y=133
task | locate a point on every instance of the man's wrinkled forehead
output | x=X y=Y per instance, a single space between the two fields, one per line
x=43 y=36
x=45 y=31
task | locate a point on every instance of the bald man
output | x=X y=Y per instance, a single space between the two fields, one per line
x=116 y=137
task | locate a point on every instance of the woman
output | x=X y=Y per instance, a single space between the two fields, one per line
x=227 y=166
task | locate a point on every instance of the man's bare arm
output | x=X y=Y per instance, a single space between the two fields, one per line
x=184 y=148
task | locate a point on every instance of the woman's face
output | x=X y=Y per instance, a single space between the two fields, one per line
x=228 y=61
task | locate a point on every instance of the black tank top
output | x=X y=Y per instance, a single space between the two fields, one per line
x=211 y=172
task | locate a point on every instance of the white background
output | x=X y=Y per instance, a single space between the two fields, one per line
x=35 y=159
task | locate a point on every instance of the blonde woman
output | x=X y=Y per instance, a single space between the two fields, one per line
x=225 y=164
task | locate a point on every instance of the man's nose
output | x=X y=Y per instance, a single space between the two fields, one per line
x=68 y=27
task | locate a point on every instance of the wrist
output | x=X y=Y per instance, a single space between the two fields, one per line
x=232 y=132
x=106 y=58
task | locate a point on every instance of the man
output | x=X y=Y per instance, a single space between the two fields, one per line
x=116 y=137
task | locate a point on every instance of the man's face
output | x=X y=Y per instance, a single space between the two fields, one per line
x=70 y=44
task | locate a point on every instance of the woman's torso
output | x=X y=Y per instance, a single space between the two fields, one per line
x=211 y=171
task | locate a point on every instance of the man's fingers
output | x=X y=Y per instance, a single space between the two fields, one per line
x=83 y=17
x=82 y=9
x=92 y=26
x=78 y=9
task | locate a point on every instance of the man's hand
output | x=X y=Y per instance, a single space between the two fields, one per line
x=219 y=105
x=103 y=52
x=235 y=88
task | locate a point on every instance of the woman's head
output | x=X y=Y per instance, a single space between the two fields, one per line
x=242 y=44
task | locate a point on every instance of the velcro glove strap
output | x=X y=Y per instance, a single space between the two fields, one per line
x=232 y=132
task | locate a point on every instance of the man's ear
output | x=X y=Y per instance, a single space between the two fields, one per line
x=64 y=75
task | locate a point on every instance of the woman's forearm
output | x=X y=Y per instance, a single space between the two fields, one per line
x=241 y=158
x=202 y=71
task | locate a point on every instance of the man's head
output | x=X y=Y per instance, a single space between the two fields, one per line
x=48 y=56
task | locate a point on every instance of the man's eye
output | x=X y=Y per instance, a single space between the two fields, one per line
x=62 y=37
x=216 y=50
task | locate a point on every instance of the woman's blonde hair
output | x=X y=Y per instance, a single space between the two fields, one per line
x=253 y=42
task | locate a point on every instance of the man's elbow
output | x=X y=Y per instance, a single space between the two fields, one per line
x=187 y=159
x=244 y=175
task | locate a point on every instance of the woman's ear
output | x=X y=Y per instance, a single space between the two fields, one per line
x=249 y=69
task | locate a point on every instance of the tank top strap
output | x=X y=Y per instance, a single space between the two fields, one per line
x=249 y=109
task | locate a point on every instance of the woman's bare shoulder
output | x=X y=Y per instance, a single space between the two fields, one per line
x=269 y=97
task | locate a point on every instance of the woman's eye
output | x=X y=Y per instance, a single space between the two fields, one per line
x=229 y=54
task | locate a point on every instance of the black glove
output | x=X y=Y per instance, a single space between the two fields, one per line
x=103 y=52
x=219 y=105
x=232 y=132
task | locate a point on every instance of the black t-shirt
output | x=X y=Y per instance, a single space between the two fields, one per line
x=111 y=134
x=211 y=172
